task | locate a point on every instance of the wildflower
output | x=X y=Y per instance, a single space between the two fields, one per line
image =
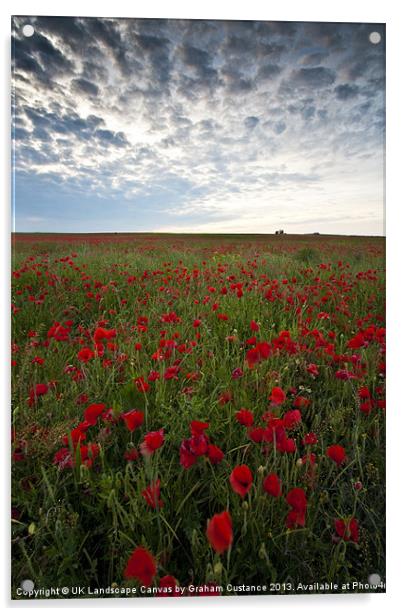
x=337 y=454
x=141 y=565
x=272 y=485
x=241 y=479
x=291 y=419
x=152 y=495
x=141 y=385
x=296 y=498
x=312 y=369
x=277 y=396
x=133 y=419
x=220 y=532
x=237 y=373
x=85 y=354
x=131 y=455
x=348 y=530
x=215 y=454
x=310 y=439
x=92 y=413
x=152 y=441
x=168 y=587
x=245 y=417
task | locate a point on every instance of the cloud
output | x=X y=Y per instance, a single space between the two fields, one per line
x=317 y=77
x=83 y=86
x=197 y=118
x=346 y=91
x=268 y=71
x=251 y=122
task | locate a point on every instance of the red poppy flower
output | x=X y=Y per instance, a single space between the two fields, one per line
x=337 y=454
x=345 y=375
x=261 y=351
x=187 y=456
x=220 y=532
x=85 y=354
x=310 y=439
x=215 y=454
x=296 y=498
x=291 y=419
x=241 y=479
x=104 y=334
x=171 y=373
x=364 y=392
x=301 y=402
x=133 y=419
x=92 y=413
x=286 y=445
x=199 y=445
x=312 y=369
x=167 y=587
x=295 y=518
x=131 y=455
x=63 y=458
x=152 y=441
x=366 y=407
x=198 y=427
x=141 y=565
x=277 y=396
x=257 y=435
x=225 y=397
x=309 y=459
x=89 y=453
x=272 y=485
x=40 y=389
x=141 y=385
x=76 y=436
x=245 y=417
x=152 y=495
x=237 y=373
x=348 y=530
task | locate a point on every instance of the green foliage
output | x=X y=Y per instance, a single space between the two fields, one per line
x=78 y=526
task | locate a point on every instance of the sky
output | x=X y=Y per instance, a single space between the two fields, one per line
x=198 y=126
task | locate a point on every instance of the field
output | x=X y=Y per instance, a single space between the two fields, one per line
x=203 y=412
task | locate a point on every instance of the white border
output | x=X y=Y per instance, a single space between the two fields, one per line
x=387 y=11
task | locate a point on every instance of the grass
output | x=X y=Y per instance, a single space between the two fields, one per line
x=79 y=525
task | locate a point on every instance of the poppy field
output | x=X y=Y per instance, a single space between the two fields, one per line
x=198 y=415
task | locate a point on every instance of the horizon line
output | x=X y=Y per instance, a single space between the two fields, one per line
x=316 y=233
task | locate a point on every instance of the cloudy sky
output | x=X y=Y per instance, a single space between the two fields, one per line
x=206 y=126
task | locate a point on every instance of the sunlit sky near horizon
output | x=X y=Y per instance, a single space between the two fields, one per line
x=198 y=126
